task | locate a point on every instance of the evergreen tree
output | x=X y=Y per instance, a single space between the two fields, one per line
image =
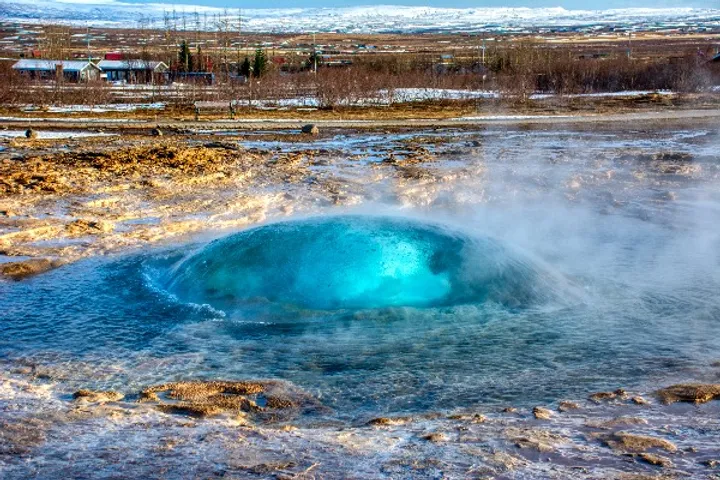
x=260 y=63
x=314 y=57
x=245 y=68
x=185 y=57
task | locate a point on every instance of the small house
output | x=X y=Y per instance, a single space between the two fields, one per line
x=68 y=70
x=133 y=71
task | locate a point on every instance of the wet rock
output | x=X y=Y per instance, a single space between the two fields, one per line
x=541 y=413
x=264 y=399
x=631 y=443
x=618 y=394
x=156 y=132
x=475 y=418
x=435 y=437
x=656 y=460
x=389 y=421
x=692 y=393
x=30 y=133
x=195 y=410
x=91 y=396
x=638 y=400
x=272 y=401
x=28 y=268
x=509 y=410
x=567 y=406
x=310 y=129
x=711 y=463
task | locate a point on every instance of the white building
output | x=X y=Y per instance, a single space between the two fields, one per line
x=70 y=70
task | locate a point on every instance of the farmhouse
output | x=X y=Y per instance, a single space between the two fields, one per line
x=69 y=70
x=133 y=71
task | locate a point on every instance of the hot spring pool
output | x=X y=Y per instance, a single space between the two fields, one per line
x=379 y=314
x=356 y=263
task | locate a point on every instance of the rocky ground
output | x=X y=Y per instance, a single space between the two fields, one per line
x=65 y=199
x=272 y=429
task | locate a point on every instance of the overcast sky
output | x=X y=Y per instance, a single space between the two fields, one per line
x=569 y=4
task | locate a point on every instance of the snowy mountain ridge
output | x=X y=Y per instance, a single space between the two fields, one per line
x=366 y=19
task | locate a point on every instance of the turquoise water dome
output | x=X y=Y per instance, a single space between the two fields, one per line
x=351 y=262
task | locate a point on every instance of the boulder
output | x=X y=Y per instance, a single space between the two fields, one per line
x=310 y=129
x=30 y=133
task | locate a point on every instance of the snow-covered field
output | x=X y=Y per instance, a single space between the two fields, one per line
x=370 y=18
x=382 y=98
x=409 y=95
x=121 y=107
x=49 y=134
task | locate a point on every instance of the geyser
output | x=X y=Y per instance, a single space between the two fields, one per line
x=355 y=262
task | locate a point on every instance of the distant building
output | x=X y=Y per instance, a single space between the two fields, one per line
x=114 y=56
x=69 y=70
x=133 y=71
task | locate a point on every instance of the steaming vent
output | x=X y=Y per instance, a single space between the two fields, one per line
x=358 y=262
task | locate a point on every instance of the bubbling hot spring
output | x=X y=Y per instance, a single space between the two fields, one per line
x=358 y=262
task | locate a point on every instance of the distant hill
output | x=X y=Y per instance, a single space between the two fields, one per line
x=365 y=19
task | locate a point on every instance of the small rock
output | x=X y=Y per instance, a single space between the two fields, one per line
x=567 y=406
x=542 y=413
x=156 y=132
x=618 y=394
x=386 y=421
x=656 y=460
x=97 y=396
x=475 y=418
x=509 y=410
x=30 y=133
x=638 y=400
x=310 y=129
x=711 y=463
x=435 y=437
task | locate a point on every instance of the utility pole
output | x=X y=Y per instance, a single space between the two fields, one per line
x=87 y=37
x=314 y=54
